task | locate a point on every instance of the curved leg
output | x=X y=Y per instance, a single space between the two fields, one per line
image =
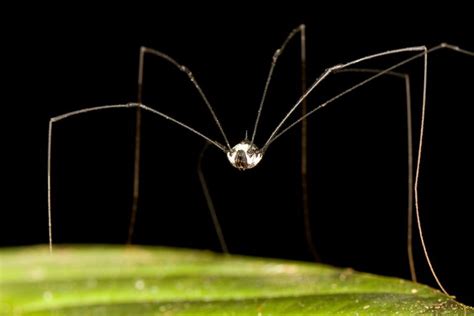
x=192 y=79
x=136 y=163
x=100 y=108
x=277 y=54
x=308 y=232
x=210 y=204
x=406 y=78
x=136 y=169
x=304 y=131
x=277 y=133
x=304 y=182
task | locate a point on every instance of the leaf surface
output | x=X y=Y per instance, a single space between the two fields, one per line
x=118 y=280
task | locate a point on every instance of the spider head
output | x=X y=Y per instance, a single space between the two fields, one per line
x=244 y=156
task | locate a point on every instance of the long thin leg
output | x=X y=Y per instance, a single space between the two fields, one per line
x=99 y=108
x=136 y=164
x=136 y=175
x=304 y=177
x=304 y=154
x=275 y=134
x=136 y=170
x=406 y=77
x=192 y=79
x=210 y=204
x=418 y=163
x=277 y=54
x=202 y=179
x=411 y=260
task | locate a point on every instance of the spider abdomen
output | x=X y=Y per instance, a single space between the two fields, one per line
x=244 y=155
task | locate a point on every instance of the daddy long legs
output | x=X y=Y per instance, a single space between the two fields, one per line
x=247 y=154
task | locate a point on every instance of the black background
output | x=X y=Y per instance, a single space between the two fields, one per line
x=61 y=60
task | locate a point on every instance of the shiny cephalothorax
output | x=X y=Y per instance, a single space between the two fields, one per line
x=244 y=155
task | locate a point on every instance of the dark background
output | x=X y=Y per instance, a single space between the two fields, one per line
x=61 y=60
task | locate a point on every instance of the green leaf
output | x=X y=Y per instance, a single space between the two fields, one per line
x=118 y=280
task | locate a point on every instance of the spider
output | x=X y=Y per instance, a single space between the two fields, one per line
x=247 y=154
